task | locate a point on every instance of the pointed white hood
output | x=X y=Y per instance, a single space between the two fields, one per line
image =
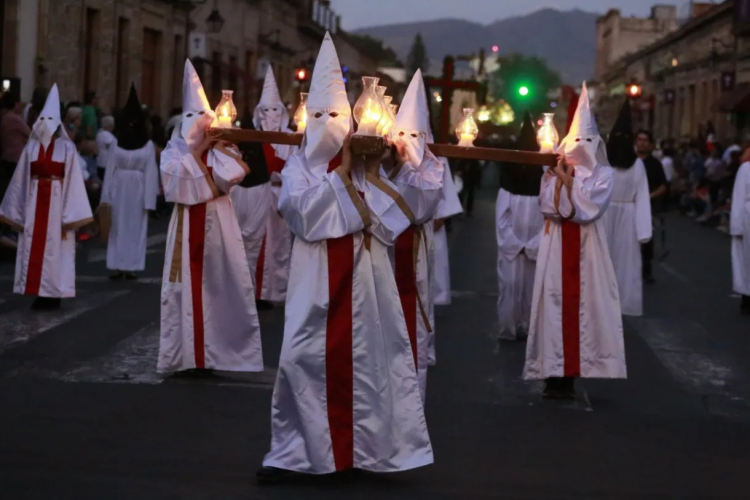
x=197 y=114
x=328 y=109
x=583 y=147
x=413 y=121
x=49 y=119
x=270 y=113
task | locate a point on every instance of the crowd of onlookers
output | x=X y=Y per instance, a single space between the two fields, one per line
x=87 y=125
x=701 y=177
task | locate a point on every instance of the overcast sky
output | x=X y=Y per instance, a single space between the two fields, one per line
x=361 y=13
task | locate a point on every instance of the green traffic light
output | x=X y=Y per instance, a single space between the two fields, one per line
x=524 y=91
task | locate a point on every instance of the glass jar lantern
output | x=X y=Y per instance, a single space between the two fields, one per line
x=368 y=111
x=467 y=130
x=300 y=116
x=226 y=112
x=547 y=135
x=389 y=119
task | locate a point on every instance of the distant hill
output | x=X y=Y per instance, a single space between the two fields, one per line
x=565 y=39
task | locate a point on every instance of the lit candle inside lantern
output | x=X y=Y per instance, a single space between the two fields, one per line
x=300 y=116
x=368 y=111
x=226 y=113
x=467 y=130
x=547 y=135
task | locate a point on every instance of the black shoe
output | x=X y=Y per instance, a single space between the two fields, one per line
x=116 y=276
x=745 y=305
x=271 y=475
x=263 y=305
x=46 y=304
x=560 y=389
x=130 y=276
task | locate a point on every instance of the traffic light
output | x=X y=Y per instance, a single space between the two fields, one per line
x=634 y=90
x=523 y=91
x=300 y=74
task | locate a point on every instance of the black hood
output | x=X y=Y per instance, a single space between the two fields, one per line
x=132 y=129
x=523 y=180
x=621 y=143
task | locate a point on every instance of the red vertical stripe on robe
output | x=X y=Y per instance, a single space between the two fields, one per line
x=273 y=162
x=197 y=244
x=571 y=298
x=44 y=169
x=339 y=331
x=406 y=282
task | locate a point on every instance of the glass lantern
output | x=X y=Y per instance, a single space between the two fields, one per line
x=467 y=130
x=300 y=116
x=547 y=135
x=226 y=112
x=368 y=111
x=389 y=119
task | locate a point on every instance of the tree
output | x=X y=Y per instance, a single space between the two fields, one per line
x=417 y=58
x=374 y=48
x=524 y=82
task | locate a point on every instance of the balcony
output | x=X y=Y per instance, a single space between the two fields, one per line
x=316 y=17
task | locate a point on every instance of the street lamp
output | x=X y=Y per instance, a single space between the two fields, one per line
x=214 y=21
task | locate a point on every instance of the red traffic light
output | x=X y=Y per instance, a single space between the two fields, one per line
x=634 y=90
x=300 y=74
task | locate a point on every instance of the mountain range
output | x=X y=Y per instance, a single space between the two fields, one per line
x=565 y=39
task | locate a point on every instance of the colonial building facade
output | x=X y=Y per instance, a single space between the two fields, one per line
x=691 y=82
x=104 y=45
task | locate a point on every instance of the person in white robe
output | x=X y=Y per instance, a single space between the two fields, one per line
x=208 y=316
x=129 y=191
x=45 y=203
x=346 y=394
x=627 y=221
x=739 y=228
x=418 y=176
x=267 y=238
x=518 y=229
x=576 y=324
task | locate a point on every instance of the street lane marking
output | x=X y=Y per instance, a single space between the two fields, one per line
x=20 y=326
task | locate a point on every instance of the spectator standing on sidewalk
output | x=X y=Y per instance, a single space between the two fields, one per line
x=657 y=186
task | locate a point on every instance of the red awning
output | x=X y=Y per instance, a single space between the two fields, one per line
x=733 y=101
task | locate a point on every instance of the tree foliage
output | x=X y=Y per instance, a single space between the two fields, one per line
x=374 y=48
x=417 y=58
x=517 y=71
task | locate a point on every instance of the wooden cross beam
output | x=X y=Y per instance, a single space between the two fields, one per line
x=448 y=85
x=238 y=135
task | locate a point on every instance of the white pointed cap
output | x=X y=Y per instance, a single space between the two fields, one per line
x=413 y=113
x=52 y=105
x=193 y=95
x=583 y=124
x=327 y=89
x=270 y=94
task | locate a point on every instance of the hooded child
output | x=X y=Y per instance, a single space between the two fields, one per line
x=576 y=325
x=346 y=394
x=418 y=176
x=518 y=228
x=130 y=189
x=267 y=238
x=627 y=221
x=45 y=203
x=208 y=316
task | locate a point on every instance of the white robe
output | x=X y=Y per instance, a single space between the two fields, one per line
x=518 y=227
x=627 y=223
x=265 y=235
x=46 y=202
x=272 y=269
x=130 y=187
x=346 y=393
x=576 y=325
x=739 y=227
x=440 y=271
x=208 y=316
x=421 y=188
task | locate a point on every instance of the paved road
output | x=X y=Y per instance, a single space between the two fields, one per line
x=84 y=416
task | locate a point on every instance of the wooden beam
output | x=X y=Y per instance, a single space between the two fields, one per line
x=447 y=150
